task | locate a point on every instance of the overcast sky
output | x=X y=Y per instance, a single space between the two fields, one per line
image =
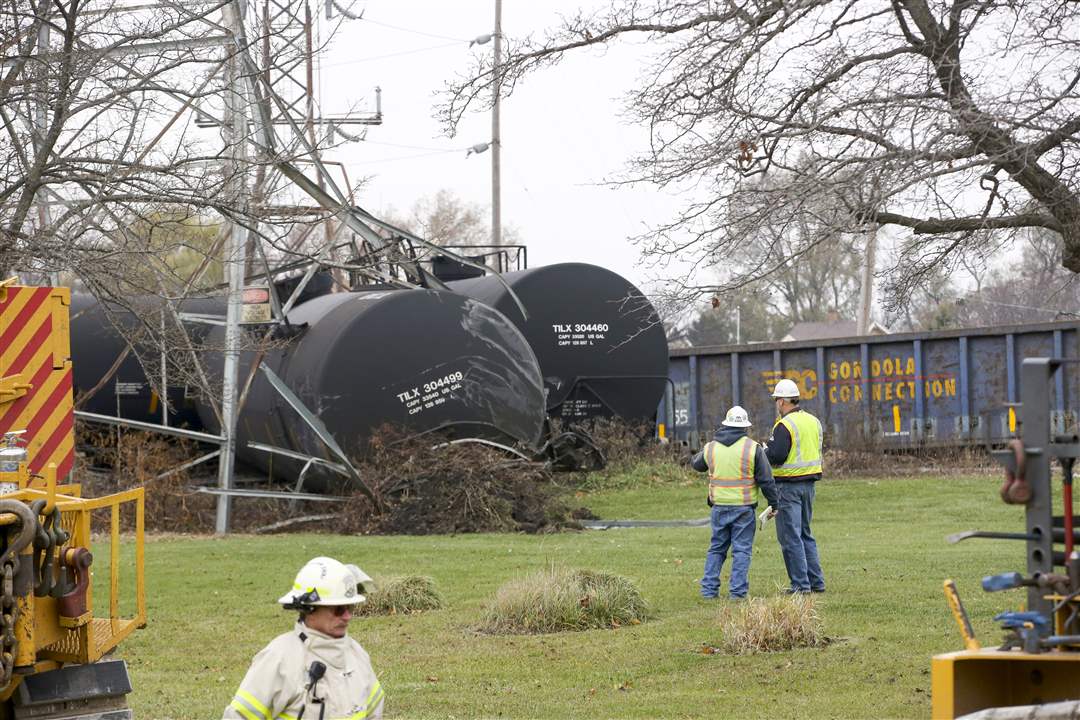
x=561 y=132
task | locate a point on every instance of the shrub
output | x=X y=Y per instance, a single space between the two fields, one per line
x=402 y=595
x=769 y=625
x=559 y=599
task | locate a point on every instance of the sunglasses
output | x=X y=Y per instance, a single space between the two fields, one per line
x=339 y=610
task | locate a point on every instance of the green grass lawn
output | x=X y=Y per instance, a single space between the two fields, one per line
x=211 y=607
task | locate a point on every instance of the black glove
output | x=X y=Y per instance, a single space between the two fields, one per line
x=709 y=500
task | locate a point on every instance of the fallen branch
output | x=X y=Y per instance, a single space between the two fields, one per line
x=293 y=521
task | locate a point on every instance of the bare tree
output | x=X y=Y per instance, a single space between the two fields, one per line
x=956 y=120
x=742 y=317
x=932 y=305
x=447 y=219
x=115 y=144
x=1026 y=284
x=812 y=265
x=1025 y=287
x=88 y=100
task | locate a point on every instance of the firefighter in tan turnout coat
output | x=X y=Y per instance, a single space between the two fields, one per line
x=315 y=671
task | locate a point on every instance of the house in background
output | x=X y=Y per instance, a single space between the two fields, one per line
x=832 y=327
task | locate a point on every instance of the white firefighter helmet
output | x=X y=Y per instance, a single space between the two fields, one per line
x=325 y=581
x=786 y=389
x=737 y=417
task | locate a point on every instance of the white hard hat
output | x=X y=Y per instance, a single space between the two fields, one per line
x=325 y=581
x=786 y=389
x=737 y=417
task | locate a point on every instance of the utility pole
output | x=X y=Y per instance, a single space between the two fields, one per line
x=866 y=292
x=496 y=141
x=235 y=250
x=41 y=123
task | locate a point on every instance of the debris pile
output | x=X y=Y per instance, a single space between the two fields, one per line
x=428 y=488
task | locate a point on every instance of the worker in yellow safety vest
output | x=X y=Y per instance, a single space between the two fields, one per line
x=738 y=473
x=794 y=451
x=315 y=671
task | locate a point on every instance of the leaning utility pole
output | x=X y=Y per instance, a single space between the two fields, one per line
x=496 y=142
x=235 y=132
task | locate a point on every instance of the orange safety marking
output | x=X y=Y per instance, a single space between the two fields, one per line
x=10 y=415
x=36 y=331
x=62 y=432
x=33 y=345
x=30 y=339
x=55 y=400
x=50 y=428
x=29 y=319
x=56 y=447
x=30 y=300
x=24 y=407
x=14 y=302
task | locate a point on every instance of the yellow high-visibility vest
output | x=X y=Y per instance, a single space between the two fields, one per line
x=804 y=458
x=731 y=472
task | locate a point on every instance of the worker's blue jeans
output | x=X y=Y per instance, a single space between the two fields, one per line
x=796 y=541
x=732 y=527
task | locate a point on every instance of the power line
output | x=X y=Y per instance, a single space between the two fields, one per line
x=413 y=147
x=415 y=32
x=404 y=157
x=390 y=55
x=972 y=298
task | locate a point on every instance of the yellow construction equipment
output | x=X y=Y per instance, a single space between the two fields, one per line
x=961 y=616
x=52 y=635
x=1038 y=661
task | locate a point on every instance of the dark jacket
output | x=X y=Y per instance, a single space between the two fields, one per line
x=779 y=447
x=763 y=476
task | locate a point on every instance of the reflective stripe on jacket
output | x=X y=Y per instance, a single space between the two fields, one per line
x=804 y=458
x=275 y=685
x=731 y=472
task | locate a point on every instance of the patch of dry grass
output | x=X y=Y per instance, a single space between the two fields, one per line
x=862 y=460
x=402 y=595
x=559 y=599
x=770 y=625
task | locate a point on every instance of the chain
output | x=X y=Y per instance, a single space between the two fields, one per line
x=18 y=536
x=9 y=615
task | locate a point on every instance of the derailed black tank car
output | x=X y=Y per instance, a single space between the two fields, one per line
x=421 y=359
x=97 y=345
x=600 y=345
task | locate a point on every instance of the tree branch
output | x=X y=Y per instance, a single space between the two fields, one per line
x=941 y=226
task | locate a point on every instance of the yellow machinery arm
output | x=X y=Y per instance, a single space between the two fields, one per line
x=48 y=617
